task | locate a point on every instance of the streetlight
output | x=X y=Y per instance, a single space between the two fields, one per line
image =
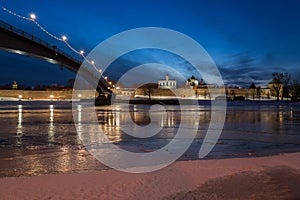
x=100 y=71
x=81 y=52
x=32 y=17
x=64 y=38
x=93 y=62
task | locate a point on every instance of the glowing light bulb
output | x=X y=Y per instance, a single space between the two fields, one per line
x=64 y=38
x=93 y=62
x=81 y=52
x=32 y=16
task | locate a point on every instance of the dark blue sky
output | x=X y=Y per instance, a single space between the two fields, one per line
x=248 y=40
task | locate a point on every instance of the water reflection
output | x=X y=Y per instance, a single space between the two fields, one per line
x=19 y=126
x=51 y=128
x=43 y=139
x=291 y=113
x=110 y=124
x=272 y=120
x=169 y=121
x=79 y=123
x=113 y=121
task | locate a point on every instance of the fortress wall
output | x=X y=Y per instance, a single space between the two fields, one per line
x=36 y=94
x=187 y=92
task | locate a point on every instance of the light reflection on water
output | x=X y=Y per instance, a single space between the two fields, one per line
x=113 y=121
x=42 y=138
x=19 y=127
x=51 y=129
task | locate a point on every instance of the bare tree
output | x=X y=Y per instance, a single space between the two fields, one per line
x=197 y=93
x=253 y=93
x=232 y=93
x=148 y=92
x=252 y=89
x=258 y=92
x=285 y=83
x=295 y=90
x=247 y=95
x=205 y=94
x=277 y=83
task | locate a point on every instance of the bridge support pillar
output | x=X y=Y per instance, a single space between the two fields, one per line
x=105 y=99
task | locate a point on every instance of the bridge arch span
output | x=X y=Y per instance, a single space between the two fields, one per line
x=17 y=41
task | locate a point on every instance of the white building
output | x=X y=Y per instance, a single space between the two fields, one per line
x=167 y=83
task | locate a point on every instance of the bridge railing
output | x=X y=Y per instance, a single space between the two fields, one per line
x=35 y=39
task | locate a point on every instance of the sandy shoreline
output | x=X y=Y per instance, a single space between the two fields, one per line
x=180 y=177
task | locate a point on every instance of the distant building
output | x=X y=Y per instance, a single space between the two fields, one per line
x=125 y=91
x=167 y=83
x=15 y=85
x=192 y=82
x=202 y=84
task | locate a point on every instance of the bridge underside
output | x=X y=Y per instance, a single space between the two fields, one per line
x=25 y=44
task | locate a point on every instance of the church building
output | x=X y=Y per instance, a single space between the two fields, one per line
x=167 y=83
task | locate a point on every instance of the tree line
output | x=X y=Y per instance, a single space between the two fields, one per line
x=283 y=87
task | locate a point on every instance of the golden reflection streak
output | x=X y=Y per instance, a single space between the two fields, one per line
x=79 y=123
x=51 y=129
x=20 y=126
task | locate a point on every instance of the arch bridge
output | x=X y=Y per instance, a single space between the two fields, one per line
x=18 y=41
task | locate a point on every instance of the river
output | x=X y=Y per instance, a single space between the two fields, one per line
x=41 y=138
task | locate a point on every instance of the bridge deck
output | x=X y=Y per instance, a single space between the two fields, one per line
x=18 y=41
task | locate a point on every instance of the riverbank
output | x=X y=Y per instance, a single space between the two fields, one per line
x=36 y=95
x=187 y=101
x=181 y=180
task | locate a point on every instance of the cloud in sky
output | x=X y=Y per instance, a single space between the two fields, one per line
x=240 y=69
x=174 y=65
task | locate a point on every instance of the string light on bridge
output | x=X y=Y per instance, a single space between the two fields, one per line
x=100 y=70
x=62 y=39
x=32 y=16
x=93 y=64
